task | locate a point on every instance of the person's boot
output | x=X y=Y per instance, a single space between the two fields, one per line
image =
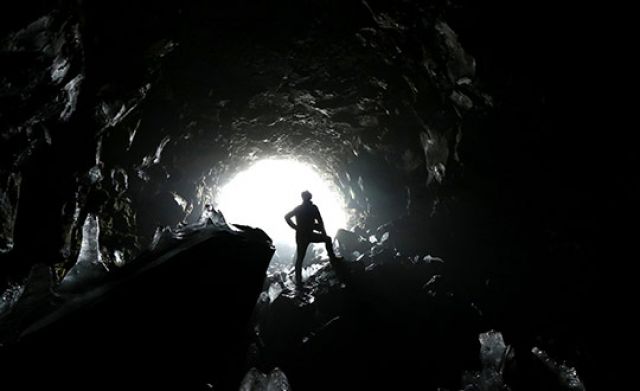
x=298 y=281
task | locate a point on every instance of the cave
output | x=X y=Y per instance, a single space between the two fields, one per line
x=149 y=152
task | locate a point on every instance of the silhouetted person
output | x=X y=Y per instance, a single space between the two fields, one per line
x=309 y=229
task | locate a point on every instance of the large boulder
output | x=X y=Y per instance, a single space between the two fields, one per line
x=174 y=317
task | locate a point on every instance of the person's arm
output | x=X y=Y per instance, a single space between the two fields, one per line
x=288 y=217
x=320 y=222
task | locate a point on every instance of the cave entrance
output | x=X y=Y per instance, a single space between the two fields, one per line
x=262 y=194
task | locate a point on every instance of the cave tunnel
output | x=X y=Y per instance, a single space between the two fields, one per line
x=149 y=152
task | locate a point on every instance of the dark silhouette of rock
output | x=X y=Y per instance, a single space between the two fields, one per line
x=171 y=318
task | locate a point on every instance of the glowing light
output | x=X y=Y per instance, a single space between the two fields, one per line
x=266 y=191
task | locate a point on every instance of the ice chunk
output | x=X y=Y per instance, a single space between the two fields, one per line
x=95 y=174
x=10 y=296
x=493 y=353
x=9 y=196
x=71 y=90
x=436 y=152
x=311 y=270
x=275 y=290
x=278 y=381
x=429 y=259
x=118 y=258
x=90 y=246
x=568 y=376
x=89 y=266
x=163 y=143
x=180 y=200
x=461 y=100
x=492 y=349
x=432 y=281
x=155 y=158
x=119 y=179
x=212 y=216
x=255 y=380
x=59 y=68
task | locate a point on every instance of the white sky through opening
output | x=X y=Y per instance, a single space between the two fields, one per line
x=261 y=195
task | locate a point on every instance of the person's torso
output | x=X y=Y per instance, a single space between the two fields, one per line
x=306 y=217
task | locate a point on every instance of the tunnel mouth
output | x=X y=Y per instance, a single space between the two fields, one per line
x=262 y=192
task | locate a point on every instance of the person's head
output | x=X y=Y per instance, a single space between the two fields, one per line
x=306 y=196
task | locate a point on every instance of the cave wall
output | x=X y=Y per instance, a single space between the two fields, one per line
x=472 y=120
x=138 y=114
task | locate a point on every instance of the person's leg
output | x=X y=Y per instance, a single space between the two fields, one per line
x=301 y=250
x=328 y=243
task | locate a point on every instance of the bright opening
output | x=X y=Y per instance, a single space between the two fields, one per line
x=261 y=195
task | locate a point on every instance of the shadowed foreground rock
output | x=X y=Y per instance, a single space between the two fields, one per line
x=388 y=321
x=174 y=317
